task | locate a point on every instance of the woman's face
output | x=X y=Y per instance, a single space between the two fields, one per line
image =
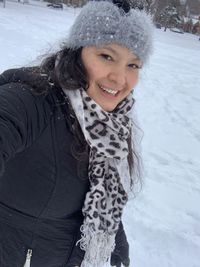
x=112 y=72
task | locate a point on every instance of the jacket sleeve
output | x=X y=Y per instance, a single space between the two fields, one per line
x=21 y=121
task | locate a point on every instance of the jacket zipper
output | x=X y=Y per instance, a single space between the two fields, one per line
x=28 y=258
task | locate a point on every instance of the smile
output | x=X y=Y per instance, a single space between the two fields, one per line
x=108 y=90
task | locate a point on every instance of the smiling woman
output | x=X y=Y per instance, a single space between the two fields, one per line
x=67 y=159
x=112 y=72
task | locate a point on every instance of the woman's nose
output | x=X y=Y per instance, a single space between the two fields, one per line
x=118 y=76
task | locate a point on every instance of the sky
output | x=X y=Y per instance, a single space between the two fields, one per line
x=163 y=221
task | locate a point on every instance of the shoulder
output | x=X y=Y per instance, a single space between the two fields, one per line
x=19 y=87
x=21 y=99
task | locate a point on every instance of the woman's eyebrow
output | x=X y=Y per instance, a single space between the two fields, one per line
x=110 y=49
x=135 y=59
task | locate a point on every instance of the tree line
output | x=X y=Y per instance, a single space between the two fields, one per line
x=165 y=13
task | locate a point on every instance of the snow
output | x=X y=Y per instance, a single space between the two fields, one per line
x=163 y=221
x=28 y=31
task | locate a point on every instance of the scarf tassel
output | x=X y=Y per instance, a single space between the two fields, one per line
x=97 y=246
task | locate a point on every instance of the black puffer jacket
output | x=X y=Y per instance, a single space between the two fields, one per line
x=42 y=189
x=41 y=193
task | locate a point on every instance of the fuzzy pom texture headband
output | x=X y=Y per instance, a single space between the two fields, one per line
x=101 y=23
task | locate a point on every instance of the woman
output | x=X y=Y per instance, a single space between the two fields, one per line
x=66 y=155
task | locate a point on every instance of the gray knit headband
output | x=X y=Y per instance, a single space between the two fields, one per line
x=100 y=23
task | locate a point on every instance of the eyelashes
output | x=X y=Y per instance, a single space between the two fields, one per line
x=110 y=58
x=135 y=66
x=106 y=57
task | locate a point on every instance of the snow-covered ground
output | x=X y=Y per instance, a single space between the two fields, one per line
x=163 y=222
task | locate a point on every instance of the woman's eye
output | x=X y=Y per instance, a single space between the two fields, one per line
x=107 y=57
x=134 y=66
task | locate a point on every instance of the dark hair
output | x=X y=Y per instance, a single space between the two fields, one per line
x=123 y=4
x=67 y=70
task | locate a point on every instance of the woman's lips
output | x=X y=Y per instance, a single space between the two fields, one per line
x=108 y=91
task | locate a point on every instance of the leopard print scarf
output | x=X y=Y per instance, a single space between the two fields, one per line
x=106 y=134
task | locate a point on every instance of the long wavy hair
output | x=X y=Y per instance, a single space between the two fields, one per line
x=67 y=70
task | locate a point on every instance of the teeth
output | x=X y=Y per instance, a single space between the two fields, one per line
x=110 y=91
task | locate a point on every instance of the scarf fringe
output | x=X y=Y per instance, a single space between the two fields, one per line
x=97 y=246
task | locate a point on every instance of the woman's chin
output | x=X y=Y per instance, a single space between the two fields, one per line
x=107 y=108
